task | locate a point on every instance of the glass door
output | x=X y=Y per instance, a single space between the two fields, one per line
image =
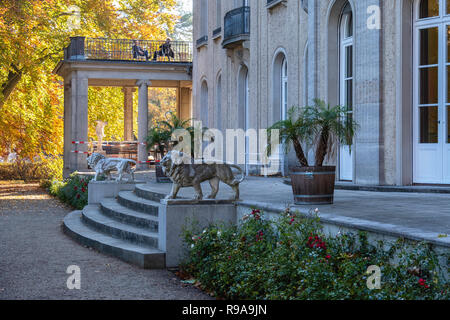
x=432 y=93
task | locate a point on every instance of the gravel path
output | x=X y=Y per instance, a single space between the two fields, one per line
x=35 y=254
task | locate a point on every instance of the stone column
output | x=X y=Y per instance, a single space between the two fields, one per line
x=185 y=103
x=67 y=127
x=312 y=50
x=142 y=121
x=128 y=113
x=75 y=124
x=368 y=99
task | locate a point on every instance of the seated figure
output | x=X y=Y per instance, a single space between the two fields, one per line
x=138 y=51
x=165 y=50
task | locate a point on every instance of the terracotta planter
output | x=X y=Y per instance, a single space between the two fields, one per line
x=313 y=185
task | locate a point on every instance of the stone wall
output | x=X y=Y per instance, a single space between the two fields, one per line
x=288 y=29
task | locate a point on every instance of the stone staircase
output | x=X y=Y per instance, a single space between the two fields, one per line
x=125 y=227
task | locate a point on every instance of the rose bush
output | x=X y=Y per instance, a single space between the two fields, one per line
x=292 y=258
x=73 y=191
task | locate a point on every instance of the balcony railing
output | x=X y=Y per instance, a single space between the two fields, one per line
x=81 y=48
x=202 y=41
x=273 y=3
x=236 y=27
x=217 y=32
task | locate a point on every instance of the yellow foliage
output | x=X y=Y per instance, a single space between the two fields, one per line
x=33 y=34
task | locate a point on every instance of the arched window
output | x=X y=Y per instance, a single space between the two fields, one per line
x=279 y=86
x=432 y=94
x=346 y=86
x=284 y=89
x=204 y=109
x=279 y=98
x=219 y=103
x=243 y=111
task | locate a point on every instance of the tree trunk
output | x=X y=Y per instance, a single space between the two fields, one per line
x=7 y=88
x=322 y=147
x=299 y=152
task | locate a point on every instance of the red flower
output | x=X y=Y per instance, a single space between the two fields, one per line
x=78 y=196
x=75 y=188
x=83 y=190
x=423 y=283
x=328 y=256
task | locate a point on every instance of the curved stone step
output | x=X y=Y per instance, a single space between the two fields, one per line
x=138 y=255
x=116 y=211
x=93 y=216
x=143 y=191
x=131 y=200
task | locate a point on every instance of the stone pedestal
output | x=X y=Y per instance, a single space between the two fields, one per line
x=177 y=215
x=99 y=190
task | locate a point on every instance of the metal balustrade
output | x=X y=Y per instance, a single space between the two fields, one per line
x=81 y=48
x=236 y=27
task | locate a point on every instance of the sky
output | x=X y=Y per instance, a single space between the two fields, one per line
x=187 y=5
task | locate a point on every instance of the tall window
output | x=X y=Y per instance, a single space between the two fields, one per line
x=347 y=60
x=346 y=87
x=432 y=94
x=284 y=89
x=204 y=109
x=218 y=13
x=204 y=18
x=219 y=103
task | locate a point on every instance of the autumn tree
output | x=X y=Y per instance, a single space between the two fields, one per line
x=33 y=34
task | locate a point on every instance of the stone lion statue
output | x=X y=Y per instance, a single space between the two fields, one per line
x=103 y=165
x=179 y=168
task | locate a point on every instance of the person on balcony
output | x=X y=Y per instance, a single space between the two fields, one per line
x=138 y=51
x=165 y=50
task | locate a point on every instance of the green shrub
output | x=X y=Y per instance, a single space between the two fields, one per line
x=291 y=258
x=73 y=191
x=45 y=169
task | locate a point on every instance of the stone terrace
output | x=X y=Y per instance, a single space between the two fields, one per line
x=417 y=216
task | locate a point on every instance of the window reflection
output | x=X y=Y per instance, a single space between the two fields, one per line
x=429 y=85
x=429 y=8
x=428 y=124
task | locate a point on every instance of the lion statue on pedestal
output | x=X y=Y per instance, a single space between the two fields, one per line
x=183 y=173
x=103 y=165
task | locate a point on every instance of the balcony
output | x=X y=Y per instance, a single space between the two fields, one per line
x=273 y=3
x=81 y=48
x=236 y=27
x=217 y=33
x=203 y=41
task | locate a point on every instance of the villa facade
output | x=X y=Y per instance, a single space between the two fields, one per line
x=385 y=59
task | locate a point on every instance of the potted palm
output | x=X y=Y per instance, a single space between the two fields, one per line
x=159 y=138
x=324 y=128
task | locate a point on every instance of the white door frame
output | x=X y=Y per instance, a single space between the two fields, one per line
x=434 y=155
